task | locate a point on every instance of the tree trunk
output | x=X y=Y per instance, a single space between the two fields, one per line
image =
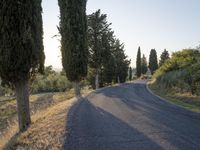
x=23 y=110
x=118 y=79
x=193 y=89
x=77 y=89
x=97 y=79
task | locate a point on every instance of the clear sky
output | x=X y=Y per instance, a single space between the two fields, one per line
x=159 y=24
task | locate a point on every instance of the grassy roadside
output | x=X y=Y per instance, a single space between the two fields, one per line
x=185 y=100
x=48 y=124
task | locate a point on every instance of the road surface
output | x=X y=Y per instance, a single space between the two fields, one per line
x=128 y=117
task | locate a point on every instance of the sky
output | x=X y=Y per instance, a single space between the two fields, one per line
x=159 y=24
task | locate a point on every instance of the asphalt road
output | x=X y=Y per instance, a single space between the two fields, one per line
x=128 y=117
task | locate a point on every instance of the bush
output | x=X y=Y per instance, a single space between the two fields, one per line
x=180 y=72
x=53 y=82
x=50 y=81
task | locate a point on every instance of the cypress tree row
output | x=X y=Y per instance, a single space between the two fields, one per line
x=107 y=56
x=21 y=50
x=138 y=63
x=74 y=48
x=144 y=67
x=153 y=62
x=164 y=56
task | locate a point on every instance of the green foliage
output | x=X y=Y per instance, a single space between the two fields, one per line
x=100 y=38
x=73 y=30
x=98 y=27
x=121 y=63
x=54 y=82
x=164 y=56
x=181 y=71
x=144 y=67
x=21 y=40
x=114 y=66
x=108 y=60
x=91 y=77
x=153 y=62
x=107 y=57
x=108 y=69
x=138 y=63
x=50 y=81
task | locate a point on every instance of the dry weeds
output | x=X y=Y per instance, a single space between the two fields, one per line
x=47 y=129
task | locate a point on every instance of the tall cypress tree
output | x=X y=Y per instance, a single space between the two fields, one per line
x=153 y=62
x=74 y=48
x=138 y=63
x=21 y=50
x=163 y=57
x=144 y=67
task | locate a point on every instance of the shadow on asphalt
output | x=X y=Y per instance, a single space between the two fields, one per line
x=103 y=132
x=180 y=123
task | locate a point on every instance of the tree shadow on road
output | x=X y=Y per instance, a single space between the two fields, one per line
x=89 y=127
x=181 y=126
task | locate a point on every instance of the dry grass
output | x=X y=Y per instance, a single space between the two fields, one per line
x=8 y=109
x=9 y=134
x=47 y=130
x=48 y=124
x=186 y=100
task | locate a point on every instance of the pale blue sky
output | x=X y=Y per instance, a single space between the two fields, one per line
x=159 y=24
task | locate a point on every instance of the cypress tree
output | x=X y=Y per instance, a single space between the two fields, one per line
x=97 y=27
x=21 y=50
x=163 y=57
x=74 y=48
x=153 y=62
x=144 y=67
x=121 y=62
x=130 y=74
x=108 y=60
x=108 y=70
x=138 y=63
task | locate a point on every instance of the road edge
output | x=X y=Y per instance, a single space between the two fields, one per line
x=193 y=114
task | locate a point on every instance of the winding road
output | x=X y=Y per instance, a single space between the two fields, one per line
x=129 y=117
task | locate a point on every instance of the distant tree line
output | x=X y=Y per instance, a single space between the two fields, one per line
x=141 y=62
